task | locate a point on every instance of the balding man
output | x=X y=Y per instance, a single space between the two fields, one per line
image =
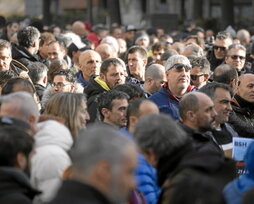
x=242 y=118
x=197 y=117
x=155 y=76
x=106 y=51
x=89 y=63
x=79 y=28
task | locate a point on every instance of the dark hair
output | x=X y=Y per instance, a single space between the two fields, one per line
x=132 y=90
x=6 y=76
x=36 y=70
x=189 y=102
x=27 y=36
x=12 y=142
x=139 y=49
x=46 y=37
x=224 y=74
x=105 y=100
x=109 y=62
x=9 y=85
x=210 y=88
x=157 y=47
x=202 y=63
x=65 y=72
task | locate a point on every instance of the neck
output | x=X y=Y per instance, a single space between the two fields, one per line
x=85 y=76
x=178 y=92
x=146 y=87
x=217 y=125
x=140 y=77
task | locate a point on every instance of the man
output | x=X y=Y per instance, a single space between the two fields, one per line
x=89 y=63
x=157 y=51
x=155 y=77
x=112 y=107
x=56 y=50
x=28 y=39
x=198 y=114
x=105 y=51
x=45 y=39
x=236 y=57
x=226 y=74
x=79 y=28
x=116 y=32
x=166 y=146
x=63 y=81
x=129 y=34
x=112 y=73
x=178 y=83
x=242 y=118
x=137 y=60
x=16 y=147
x=200 y=72
x=223 y=133
x=12 y=28
x=218 y=53
x=20 y=105
x=102 y=170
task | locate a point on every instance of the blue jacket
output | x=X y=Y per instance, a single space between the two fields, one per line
x=80 y=79
x=146 y=178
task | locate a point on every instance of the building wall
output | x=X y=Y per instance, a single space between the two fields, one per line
x=12 y=7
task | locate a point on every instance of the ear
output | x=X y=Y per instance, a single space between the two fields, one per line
x=190 y=116
x=21 y=161
x=149 y=80
x=45 y=79
x=145 y=62
x=103 y=173
x=105 y=112
x=133 y=120
x=151 y=158
x=102 y=77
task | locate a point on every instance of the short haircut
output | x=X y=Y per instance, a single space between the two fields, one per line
x=157 y=47
x=223 y=35
x=195 y=49
x=36 y=70
x=55 y=65
x=159 y=133
x=133 y=90
x=18 y=81
x=236 y=46
x=109 y=62
x=210 y=88
x=13 y=141
x=5 y=44
x=133 y=107
x=61 y=44
x=154 y=71
x=202 y=63
x=106 y=100
x=167 y=54
x=27 y=36
x=224 y=74
x=67 y=73
x=46 y=37
x=99 y=143
x=138 y=49
x=189 y=102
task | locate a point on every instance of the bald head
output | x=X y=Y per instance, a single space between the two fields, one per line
x=106 y=51
x=79 y=28
x=225 y=74
x=246 y=87
x=154 y=71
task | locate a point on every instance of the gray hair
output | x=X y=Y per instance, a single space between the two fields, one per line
x=236 y=46
x=23 y=103
x=154 y=71
x=99 y=143
x=159 y=133
x=195 y=50
x=5 y=44
x=175 y=59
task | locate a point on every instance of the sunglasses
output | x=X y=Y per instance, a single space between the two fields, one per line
x=195 y=77
x=237 y=56
x=179 y=67
x=219 y=47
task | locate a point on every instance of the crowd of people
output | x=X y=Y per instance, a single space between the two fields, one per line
x=90 y=114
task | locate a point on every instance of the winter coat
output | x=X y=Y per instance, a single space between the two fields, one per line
x=73 y=191
x=15 y=187
x=52 y=142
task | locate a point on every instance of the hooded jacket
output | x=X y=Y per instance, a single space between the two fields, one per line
x=95 y=87
x=15 y=187
x=235 y=190
x=52 y=142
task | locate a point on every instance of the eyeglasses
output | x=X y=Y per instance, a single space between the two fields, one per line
x=179 y=67
x=59 y=85
x=219 y=47
x=234 y=57
x=195 y=77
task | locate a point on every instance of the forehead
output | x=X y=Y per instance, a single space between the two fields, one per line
x=237 y=51
x=89 y=55
x=119 y=102
x=221 y=93
x=59 y=78
x=54 y=46
x=247 y=80
x=134 y=55
x=5 y=51
x=225 y=42
x=195 y=69
x=115 y=68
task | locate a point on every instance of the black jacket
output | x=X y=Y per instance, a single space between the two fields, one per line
x=15 y=187
x=214 y=62
x=75 y=192
x=242 y=117
x=92 y=90
x=22 y=55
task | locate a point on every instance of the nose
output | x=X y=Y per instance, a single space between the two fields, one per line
x=87 y=116
x=229 y=107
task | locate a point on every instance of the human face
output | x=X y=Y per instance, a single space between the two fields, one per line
x=205 y=116
x=222 y=105
x=5 y=59
x=136 y=65
x=123 y=181
x=157 y=55
x=198 y=78
x=158 y=83
x=55 y=52
x=246 y=87
x=43 y=50
x=89 y=62
x=114 y=76
x=60 y=84
x=143 y=42
x=221 y=47
x=117 y=33
x=83 y=114
x=178 y=79
x=122 y=45
x=117 y=114
x=236 y=58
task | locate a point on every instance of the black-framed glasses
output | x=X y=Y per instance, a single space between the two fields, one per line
x=179 y=67
x=196 y=76
x=59 y=85
x=234 y=57
x=219 y=47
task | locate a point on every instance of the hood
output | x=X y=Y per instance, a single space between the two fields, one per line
x=51 y=132
x=93 y=88
x=14 y=180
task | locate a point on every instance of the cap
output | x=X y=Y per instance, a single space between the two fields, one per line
x=130 y=28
